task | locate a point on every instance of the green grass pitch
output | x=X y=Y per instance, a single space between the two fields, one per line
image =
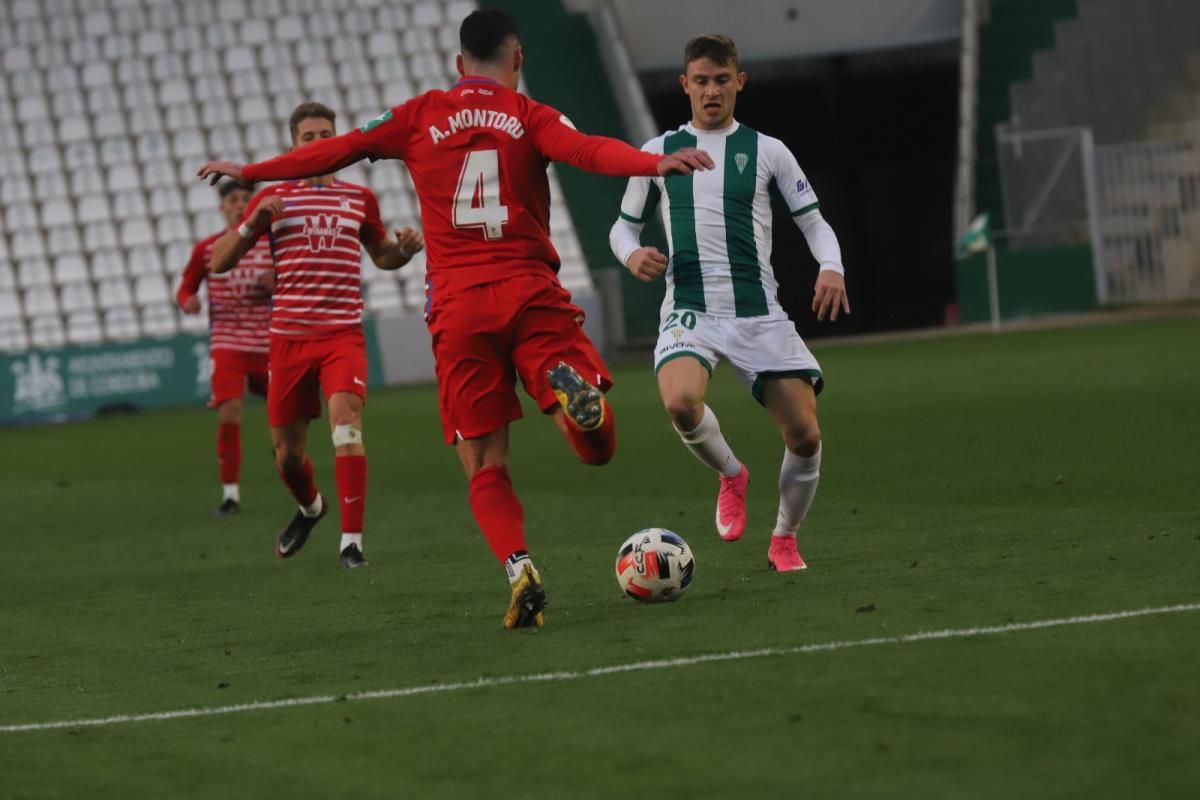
x=969 y=481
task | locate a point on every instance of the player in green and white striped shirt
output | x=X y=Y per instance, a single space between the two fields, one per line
x=721 y=291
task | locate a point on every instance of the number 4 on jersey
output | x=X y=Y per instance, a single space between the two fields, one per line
x=477 y=199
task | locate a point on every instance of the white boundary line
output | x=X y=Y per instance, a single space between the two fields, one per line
x=596 y=672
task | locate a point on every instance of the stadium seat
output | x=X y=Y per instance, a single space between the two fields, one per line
x=187 y=37
x=97 y=23
x=163 y=16
x=167 y=66
x=273 y=54
x=144 y=260
x=50 y=185
x=159 y=173
x=262 y=135
x=113 y=293
x=418 y=40
x=97 y=73
x=83 y=328
x=193 y=323
x=173 y=228
x=7 y=280
x=289 y=29
x=77 y=297
x=103 y=98
x=181 y=117
x=87 y=180
x=67 y=102
x=283 y=78
x=32 y=107
x=207 y=222
x=189 y=145
x=139 y=95
x=46 y=331
x=13 y=338
x=284 y=103
x=254 y=32
x=239 y=58
x=220 y=34
x=110 y=123
x=10 y=305
x=128 y=206
x=364 y=100
x=83 y=51
x=133 y=69
x=80 y=154
x=383 y=44
x=152 y=146
x=98 y=235
x=27 y=244
x=159 y=320
x=117 y=46
x=70 y=268
x=105 y=264
x=93 y=208
x=357 y=22
x=34 y=272
x=121 y=324
x=248 y=81
x=197 y=14
x=40 y=300
x=62 y=77
x=217 y=112
x=21 y=217
x=145 y=119
x=318 y=77
x=63 y=239
x=202 y=63
x=115 y=150
x=151 y=289
x=391 y=17
x=123 y=178
x=175 y=91
x=14 y=189
x=58 y=212
x=136 y=231
x=152 y=43
x=164 y=199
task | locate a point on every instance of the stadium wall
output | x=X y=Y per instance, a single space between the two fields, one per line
x=1031 y=283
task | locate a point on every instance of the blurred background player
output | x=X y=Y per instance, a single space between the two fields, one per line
x=315 y=228
x=721 y=298
x=239 y=315
x=478 y=156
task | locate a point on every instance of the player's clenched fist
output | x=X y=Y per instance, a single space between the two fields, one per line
x=647 y=263
x=265 y=211
x=410 y=240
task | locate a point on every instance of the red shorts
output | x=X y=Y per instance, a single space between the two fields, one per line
x=234 y=372
x=302 y=367
x=485 y=336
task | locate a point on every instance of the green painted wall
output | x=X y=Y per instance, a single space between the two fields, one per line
x=1031 y=283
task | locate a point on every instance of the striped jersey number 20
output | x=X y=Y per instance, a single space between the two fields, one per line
x=477 y=199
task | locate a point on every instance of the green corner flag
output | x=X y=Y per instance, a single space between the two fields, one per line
x=977 y=239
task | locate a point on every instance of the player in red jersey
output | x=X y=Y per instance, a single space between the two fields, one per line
x=239 y=310
x=478 y=155
x=315 y=228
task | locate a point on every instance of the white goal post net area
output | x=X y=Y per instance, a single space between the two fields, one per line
x=1137 y=204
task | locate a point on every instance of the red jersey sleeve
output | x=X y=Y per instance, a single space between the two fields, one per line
x=372 y=230
x=193 y=274
x=556 y=138
x=386 y=136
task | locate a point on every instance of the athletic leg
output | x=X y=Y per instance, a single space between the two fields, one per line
x=792 y=404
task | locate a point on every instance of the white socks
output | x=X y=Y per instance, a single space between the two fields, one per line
x=314 y=509
x=231 y=492
x=707 y=444
x=798 y=478
x=351 y=539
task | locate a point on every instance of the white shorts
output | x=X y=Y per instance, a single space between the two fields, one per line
x=759 y=348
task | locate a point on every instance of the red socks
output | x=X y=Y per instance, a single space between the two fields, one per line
x=300 y=482
x=351 y=475
x=498 y=511
x=229 y=451
x=597 y=446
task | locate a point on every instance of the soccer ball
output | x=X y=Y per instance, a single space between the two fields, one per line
x=655 y=566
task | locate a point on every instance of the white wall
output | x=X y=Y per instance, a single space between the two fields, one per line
x=656 y=30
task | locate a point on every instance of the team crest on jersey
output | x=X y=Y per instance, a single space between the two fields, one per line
x=321 y=230
x=741 y=159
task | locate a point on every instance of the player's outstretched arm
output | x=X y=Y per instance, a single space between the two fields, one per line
x=323 y=157
x=236 y=242
x=392 y=254
x=556 y=138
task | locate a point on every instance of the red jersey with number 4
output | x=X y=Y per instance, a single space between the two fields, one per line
x=477 y=155
x=318 y=257
x=239 y=301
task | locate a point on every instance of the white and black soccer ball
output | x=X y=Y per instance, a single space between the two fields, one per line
x=655 y=566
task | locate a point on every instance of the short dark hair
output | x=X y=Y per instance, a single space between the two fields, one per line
x=718 y=47
x=308 y=111
x=483 y=33
x=229 y=187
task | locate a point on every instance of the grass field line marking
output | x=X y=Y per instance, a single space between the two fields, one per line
x=596 y=672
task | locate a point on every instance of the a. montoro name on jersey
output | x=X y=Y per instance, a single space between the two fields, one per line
x=478 y=118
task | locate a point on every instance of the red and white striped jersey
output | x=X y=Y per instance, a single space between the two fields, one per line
x=317 y=251
x=239 y=301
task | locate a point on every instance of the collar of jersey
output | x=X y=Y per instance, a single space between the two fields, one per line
x=475 y=79
x=723 y=132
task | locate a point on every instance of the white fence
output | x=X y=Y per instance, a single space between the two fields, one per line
x=1137 y=204
x=1149 y=209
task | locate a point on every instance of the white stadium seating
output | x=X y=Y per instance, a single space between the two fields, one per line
x=107 y=107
